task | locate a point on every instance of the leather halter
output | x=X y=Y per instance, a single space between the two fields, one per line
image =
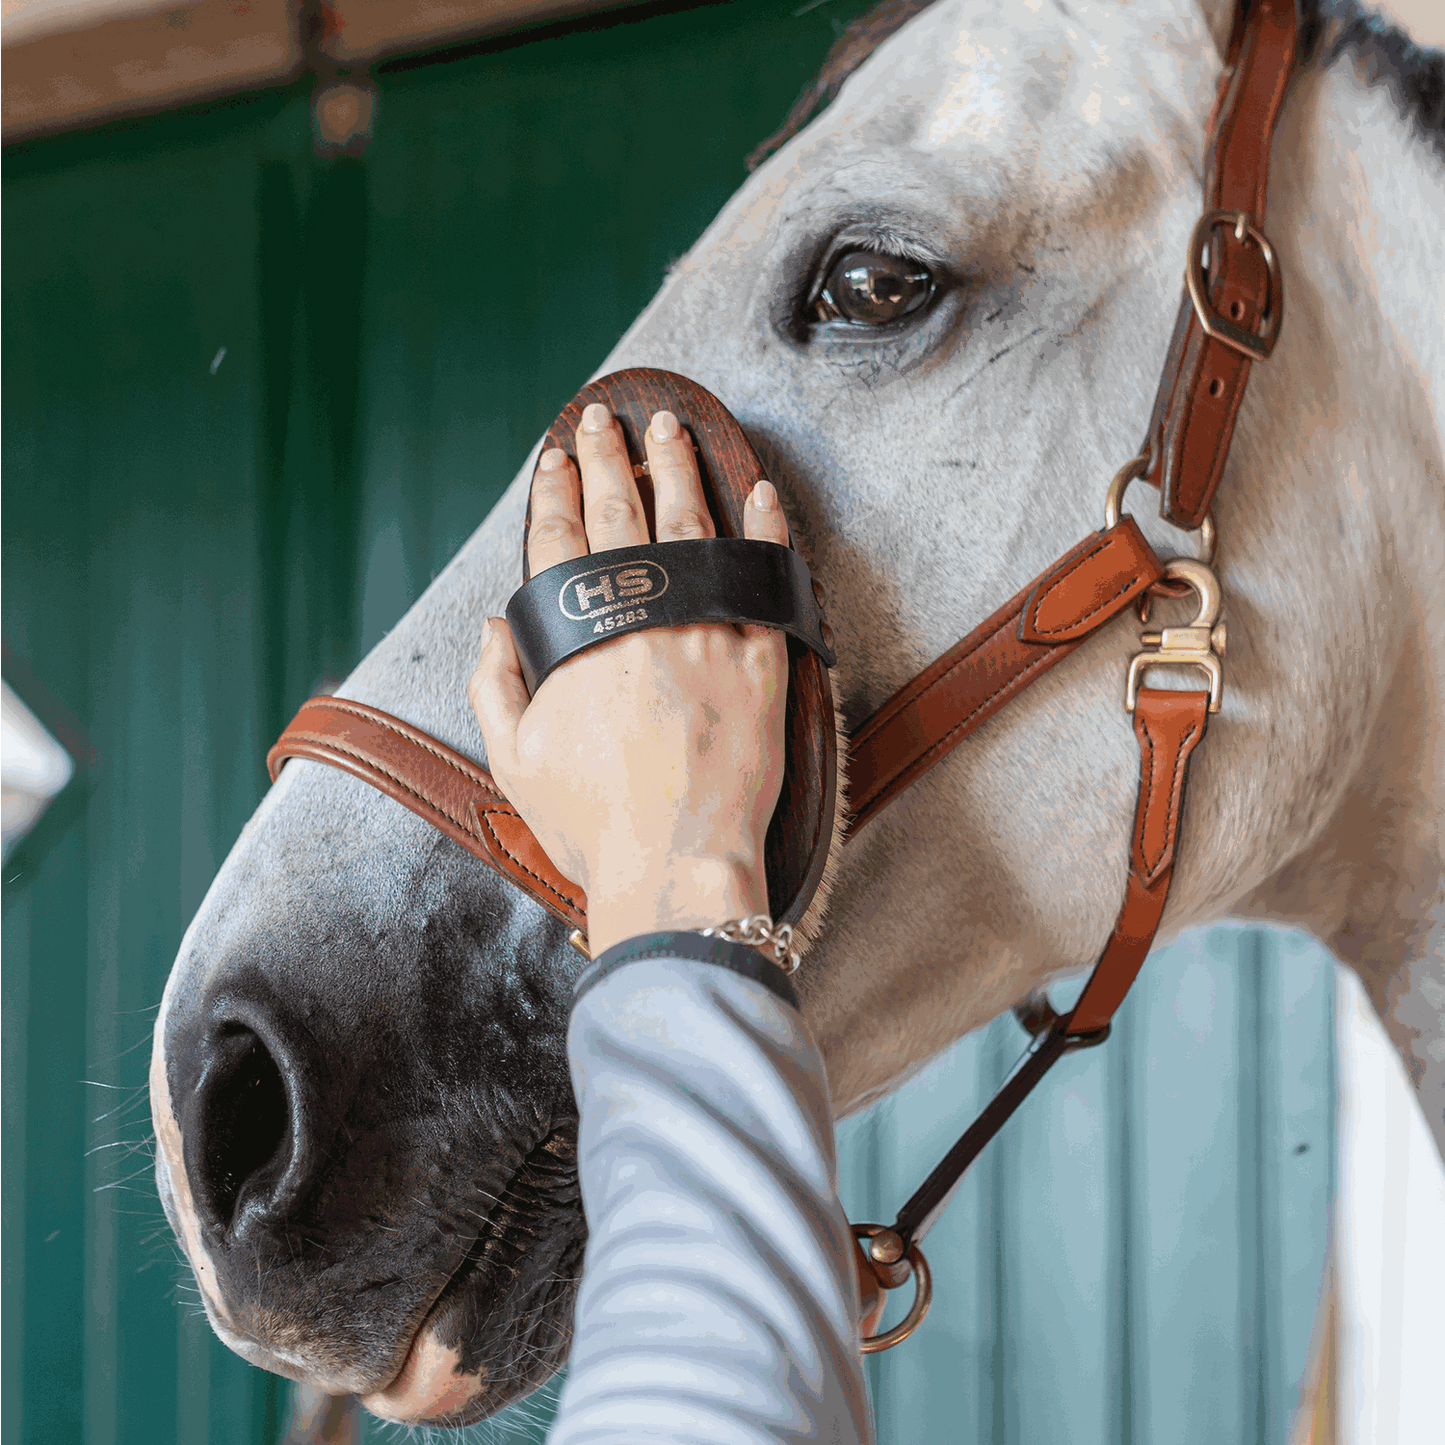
x=1228 y=319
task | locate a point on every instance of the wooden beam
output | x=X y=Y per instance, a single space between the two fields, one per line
x=136 y=63
x=105 y=65
x=371 y=30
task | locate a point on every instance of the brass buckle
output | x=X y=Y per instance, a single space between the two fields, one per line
x=1200 y=644
x=1256 y=345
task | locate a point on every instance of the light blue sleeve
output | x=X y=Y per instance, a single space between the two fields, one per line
x=719 y=1302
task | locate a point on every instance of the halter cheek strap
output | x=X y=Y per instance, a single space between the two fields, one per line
x=1230 y=314
x=957 y=693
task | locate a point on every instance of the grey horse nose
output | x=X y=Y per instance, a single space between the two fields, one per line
x=243 y=1139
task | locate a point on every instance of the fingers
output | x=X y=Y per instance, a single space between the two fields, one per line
x=604 y=509
x=681 y=510
x=763 y=521
x=611 y=506
x=555 y=533
x=763 y=518
x=498 y=696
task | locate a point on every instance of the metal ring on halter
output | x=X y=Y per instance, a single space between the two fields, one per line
x=922 y=1298
x=1114 y=501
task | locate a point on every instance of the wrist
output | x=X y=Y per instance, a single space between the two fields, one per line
x=692 y=892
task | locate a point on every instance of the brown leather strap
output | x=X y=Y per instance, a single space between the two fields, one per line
x=1204 y=378
x=1169 y=726
x=450 y=791
x=928 y=718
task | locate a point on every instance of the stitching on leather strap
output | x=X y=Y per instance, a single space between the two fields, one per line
x=1147 y=784
x=905 y=698
x=1173 y=800
x=1062 y=580
x=1176 y=791
x=327 y=741
x=340 y=705
x=481 y=814
x=1007 y=625
x=963 y=722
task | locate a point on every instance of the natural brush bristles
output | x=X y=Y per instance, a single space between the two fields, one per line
x=810 y=926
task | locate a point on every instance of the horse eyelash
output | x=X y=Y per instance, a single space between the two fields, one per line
x=886 y=241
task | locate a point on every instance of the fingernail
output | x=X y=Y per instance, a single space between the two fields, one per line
x=552 y=460
x=486 y=630
x=765 y=496
x=595 y=417
x=664 y=426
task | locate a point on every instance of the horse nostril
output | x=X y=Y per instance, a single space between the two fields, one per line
x=244 y=1121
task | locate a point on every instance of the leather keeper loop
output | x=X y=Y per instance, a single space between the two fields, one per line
x=1089 y=587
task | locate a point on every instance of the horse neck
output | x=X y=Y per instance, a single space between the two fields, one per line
x=1372 y=884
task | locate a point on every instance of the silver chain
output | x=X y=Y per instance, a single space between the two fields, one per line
x=758 y=932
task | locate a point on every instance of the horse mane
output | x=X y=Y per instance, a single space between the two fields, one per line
x=1329 y=30
x=857 y=42
x=1384 y=55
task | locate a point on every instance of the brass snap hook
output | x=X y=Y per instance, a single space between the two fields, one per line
x=886 y=1259
x=1201 y=644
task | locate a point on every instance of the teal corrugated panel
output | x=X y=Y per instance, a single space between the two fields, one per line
x=1192 y=1134
x=131 y=590
x=1139 y=1255
x=1297 y=1154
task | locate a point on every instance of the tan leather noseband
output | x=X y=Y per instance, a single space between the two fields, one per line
x=453 y=794
x=1229 y=318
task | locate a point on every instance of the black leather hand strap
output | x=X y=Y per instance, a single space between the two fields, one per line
x=575 y=604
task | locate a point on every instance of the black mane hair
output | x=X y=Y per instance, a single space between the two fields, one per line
x=1383 y=54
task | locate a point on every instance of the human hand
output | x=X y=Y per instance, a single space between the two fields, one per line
x=648 y=766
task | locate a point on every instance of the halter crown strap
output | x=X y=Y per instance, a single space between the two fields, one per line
x=1230 y=314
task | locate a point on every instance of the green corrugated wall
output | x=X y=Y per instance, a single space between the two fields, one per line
x=253 y=402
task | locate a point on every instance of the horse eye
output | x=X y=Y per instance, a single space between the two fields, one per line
x=871 y=290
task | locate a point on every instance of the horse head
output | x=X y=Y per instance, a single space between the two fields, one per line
x=945 y=300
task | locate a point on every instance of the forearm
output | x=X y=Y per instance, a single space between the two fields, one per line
x=719 y=1302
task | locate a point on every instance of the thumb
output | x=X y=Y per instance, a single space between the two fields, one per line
x=498 y=695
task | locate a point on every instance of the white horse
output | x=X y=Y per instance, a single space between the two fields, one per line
x=358 y=1083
